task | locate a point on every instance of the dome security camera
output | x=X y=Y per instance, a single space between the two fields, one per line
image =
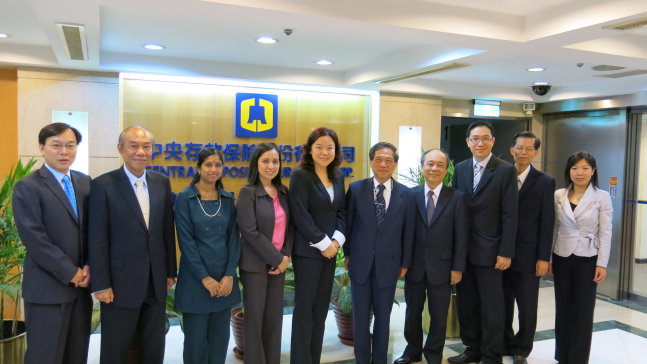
x=540 y=90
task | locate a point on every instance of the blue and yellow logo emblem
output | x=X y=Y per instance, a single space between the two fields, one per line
x=256 y=115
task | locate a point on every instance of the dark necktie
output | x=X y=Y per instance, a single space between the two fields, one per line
x=380 y=205
x=69 y=192
x=430 y=206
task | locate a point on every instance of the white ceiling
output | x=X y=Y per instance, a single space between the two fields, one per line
x=368 y=40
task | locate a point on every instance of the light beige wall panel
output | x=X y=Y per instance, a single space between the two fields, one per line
x=101 y=165
x=410 y=110
x=42 y=91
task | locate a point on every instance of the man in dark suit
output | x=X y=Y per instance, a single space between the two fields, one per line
x=50 y=212
x=534 y=243
x=491 y=189
x=380 y=239
x=440 y=250
x=132 y=252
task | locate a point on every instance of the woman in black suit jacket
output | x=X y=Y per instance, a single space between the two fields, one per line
x=264 y=220
x=317 y=204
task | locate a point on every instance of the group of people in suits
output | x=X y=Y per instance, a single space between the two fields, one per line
x=491 y=234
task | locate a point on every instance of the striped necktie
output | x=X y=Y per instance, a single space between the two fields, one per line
x=477 y=175
x=380 y=205
x=430 y=206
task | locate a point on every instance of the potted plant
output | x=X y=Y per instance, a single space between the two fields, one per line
x=342 y=302
x=12 y=255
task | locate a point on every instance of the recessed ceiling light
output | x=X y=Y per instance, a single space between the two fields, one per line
x=536 y=69
x=541 y=83
x=154 y=47
x=4 y=35
x=324 y=62
x=266 y=40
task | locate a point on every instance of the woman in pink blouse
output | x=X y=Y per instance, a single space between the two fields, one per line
x=264 y=222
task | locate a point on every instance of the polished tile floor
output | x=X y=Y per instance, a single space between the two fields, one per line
x=620 y=336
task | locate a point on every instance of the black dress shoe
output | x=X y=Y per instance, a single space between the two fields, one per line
x=463 y=359
x=519 y=359
x=406 y=359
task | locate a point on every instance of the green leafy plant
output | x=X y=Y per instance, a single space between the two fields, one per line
x=343 y=299
x=12 y=252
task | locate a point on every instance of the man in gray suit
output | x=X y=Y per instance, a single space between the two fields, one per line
x=50 y=212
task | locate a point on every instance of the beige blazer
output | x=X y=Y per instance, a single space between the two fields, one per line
x=585 y=232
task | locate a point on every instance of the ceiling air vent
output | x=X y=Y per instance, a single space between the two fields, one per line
x=424 y=71
x=606 y=67
x=73 y=38
x=629 y=25
x=624 y=74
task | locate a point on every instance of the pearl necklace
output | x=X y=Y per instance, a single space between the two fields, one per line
x=205 y=212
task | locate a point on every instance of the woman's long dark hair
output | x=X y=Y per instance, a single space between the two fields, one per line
x=308 y=163
x=202 y=156
x=572 y=160
x=253 y=177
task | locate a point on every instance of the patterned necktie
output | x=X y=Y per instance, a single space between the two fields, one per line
x=142 y=198
x=430 y=206
x=477 y=175
x=380 y=205
x=69 y=192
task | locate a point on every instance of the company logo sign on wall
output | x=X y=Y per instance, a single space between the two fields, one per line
x=256 y=115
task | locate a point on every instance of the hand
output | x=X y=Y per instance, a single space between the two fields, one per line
x=211 y=285
x=600 y=274
x=455 y=277
x=105 y=296
x=282 y=266
x=170 y=282
x=346 y=263
x=330 y=251
x=541 y=268
x=502 y=263
x=403 y=272
x=78 y=277
x=226 y=284
x=86 y=277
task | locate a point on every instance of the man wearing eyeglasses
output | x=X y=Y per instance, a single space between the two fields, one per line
x=534 y=242
x=491 y=189
x=50 y=210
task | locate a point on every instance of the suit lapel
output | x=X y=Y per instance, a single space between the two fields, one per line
x=420 y=202
x=79 y=200
x=322 y=188
x=530 y=181
x=566 y=206
x=395 y=201
x=127 y=191
x=487 y=175
x=57 y=190
x=443 y=199
x=586 y=202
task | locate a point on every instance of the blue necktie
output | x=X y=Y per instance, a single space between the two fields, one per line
x=380 y=205
x=69 y=192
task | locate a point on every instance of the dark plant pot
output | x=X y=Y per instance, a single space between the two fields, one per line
x=12 y=349
x=238 y=327
x=344 y=325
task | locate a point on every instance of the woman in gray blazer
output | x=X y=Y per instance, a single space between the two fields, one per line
x=207 y=289
x=581 y=246
x=264 y=223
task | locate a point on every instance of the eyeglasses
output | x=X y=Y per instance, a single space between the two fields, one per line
x=484 y=140
x=57 y=146
x=519 y=148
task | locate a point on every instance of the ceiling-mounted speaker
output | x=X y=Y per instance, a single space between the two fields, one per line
x=74 y=42
x=528 y=106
